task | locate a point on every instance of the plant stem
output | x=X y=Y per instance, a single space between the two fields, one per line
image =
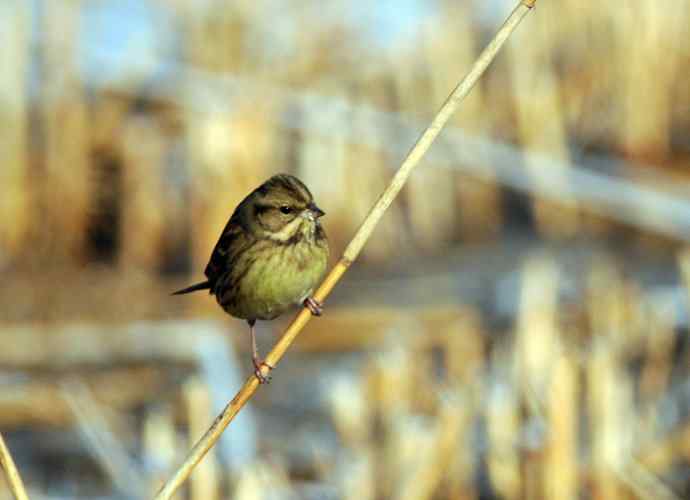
x=14 y=480
x=212 y=435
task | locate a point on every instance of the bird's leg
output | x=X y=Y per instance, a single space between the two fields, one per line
x=256 y=360
x=314 y=306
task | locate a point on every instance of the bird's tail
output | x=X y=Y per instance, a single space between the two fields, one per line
x=204 y=285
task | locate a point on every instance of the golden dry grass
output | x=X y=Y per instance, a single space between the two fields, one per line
x=432 y=386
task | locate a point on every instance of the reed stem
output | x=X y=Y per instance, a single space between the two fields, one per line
x=14 y=480
x=209 y=439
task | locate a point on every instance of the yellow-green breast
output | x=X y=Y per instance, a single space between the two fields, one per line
x=279 y=277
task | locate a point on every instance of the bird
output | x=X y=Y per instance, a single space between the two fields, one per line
x=269 y=257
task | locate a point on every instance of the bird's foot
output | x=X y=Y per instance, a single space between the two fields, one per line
x=258 y=372
x=314 y=306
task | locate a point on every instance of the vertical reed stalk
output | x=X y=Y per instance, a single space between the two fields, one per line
x=159 y=442
x=561 y=466
x=14 y=189
x=205 y=485
x=352 y=251
x=537 y=100
x=66 y=130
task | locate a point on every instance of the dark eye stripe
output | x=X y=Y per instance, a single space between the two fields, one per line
x=260 y=209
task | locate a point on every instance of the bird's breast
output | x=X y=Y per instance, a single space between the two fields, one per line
x=275 y=278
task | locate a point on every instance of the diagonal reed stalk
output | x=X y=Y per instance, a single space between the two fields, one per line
x=221 y=422
x=14 y=480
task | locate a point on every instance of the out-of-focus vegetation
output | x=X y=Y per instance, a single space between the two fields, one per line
x=517 y=327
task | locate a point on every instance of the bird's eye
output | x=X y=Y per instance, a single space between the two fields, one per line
x=285 y=209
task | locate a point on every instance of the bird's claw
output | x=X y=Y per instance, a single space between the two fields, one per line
x=314 y=306
x=258 y=373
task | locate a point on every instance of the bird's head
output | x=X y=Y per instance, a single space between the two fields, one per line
x=281 y=209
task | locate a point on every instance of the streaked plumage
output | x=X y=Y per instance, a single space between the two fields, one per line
x=270 y=256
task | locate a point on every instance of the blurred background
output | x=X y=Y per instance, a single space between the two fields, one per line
x=516 y=328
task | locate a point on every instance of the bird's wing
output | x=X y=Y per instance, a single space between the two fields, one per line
x=233 y=240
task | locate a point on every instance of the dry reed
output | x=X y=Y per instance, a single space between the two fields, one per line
x=65 y=180
x=159 y=442
x=205 y=484
x=352 y=250
x=14 y=195
x=537 y=100
x=107 y=448
x=12 y=476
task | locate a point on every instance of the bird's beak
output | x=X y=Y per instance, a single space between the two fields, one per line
x=316 y=210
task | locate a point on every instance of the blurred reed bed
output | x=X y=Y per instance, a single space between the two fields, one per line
x=180 y=144
x=439 y=390
x=568 y=399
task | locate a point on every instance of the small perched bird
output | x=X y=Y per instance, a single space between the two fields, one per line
x=269 y=257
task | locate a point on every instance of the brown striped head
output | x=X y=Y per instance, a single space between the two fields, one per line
x=281 y=209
